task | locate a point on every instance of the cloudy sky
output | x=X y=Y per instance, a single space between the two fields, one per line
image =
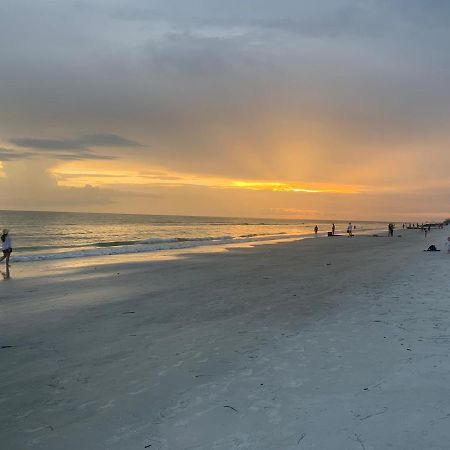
x=289 y=108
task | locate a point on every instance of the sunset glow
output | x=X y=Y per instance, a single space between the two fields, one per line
x=74 y=175
x=250 y=112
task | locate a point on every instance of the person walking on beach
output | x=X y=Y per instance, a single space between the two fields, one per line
x=333 y=229
x=350 y=229
x=316 y=229
x=6 y=246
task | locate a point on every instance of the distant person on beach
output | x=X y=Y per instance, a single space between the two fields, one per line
x=316 y=229
x=333 y=229
x=6 y=246
x=350 y=229
x=391 y=230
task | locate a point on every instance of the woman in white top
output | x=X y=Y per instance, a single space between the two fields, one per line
x=6 y=246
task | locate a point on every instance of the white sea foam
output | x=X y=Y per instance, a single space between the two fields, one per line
x=45 y=236
x=154 y=245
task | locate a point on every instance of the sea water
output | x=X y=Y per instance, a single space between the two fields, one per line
x=56 y=235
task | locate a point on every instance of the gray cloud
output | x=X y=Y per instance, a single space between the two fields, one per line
x=324 y=18
x=93 y=140
x=108 y=140
x=74 y=149
x=83 y=156
x=47 y=144
x=7 y=154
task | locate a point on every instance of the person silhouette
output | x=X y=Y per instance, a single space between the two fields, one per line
x=6 y=246
x=350 y=229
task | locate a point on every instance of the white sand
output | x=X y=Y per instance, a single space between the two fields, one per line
x=258 y=348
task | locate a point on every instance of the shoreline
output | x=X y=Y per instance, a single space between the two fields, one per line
x=173 y=245
x=323 y=342
x=124 y=254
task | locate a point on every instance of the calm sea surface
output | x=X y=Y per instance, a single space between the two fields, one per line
x=54 y=235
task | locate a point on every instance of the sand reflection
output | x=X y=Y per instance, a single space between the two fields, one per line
x=6 y=274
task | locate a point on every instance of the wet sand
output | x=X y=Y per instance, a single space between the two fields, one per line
x=328 y=343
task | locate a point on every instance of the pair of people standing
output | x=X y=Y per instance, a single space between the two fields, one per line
x=6 y=246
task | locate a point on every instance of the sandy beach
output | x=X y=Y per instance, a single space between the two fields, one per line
x=327 y=343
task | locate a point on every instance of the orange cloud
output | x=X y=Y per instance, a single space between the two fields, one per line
x=76 y=174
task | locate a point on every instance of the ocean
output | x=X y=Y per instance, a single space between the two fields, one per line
x=56 y=235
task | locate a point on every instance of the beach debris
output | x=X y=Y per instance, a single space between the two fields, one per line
x=228 y=406
x=128 y=312
x=300 y=439
x=368 y=416
x=7 y=346
x=373 y=387
x=360 y=442
x=148 y=446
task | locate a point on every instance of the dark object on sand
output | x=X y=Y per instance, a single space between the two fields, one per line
x=432 y=248
x=234 y=409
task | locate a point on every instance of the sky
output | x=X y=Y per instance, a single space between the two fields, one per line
x=332 y=109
